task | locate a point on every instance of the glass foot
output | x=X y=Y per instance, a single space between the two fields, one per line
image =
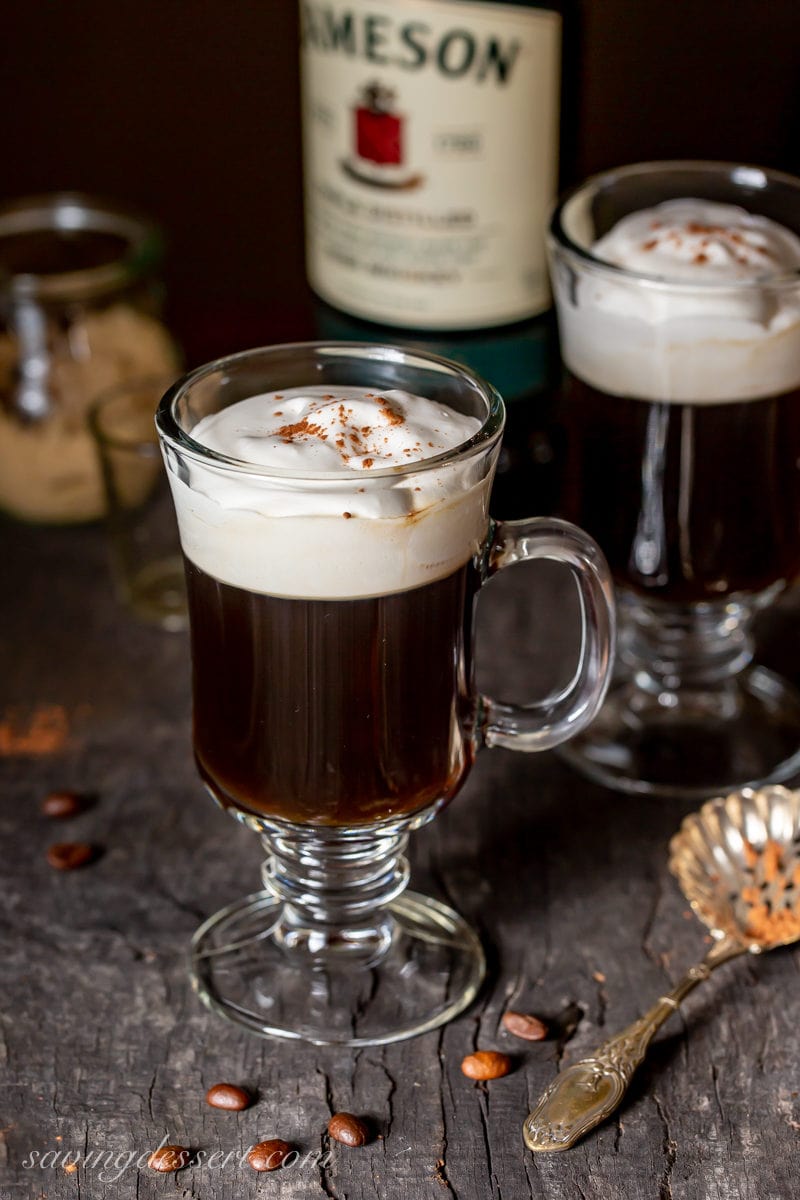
x=157 y=593
x=692 y=744
x=429 y=971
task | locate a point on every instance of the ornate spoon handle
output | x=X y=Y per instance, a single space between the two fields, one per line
x=587 y=1092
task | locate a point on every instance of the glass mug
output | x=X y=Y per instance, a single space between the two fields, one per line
x=334 y=703
x=143 y=537
x=681 y=406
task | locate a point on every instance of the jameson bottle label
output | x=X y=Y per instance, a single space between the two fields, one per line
x=430 y=146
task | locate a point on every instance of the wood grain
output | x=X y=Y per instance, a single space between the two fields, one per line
x=105 y=1050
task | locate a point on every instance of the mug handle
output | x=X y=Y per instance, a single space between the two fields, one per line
x=546 y=723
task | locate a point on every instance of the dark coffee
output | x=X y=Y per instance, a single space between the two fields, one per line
x=333 y=712
x=689 y=502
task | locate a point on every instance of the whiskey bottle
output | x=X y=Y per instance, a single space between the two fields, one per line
x=431 y=132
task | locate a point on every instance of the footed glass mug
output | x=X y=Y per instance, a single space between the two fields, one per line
x=682 y=403
x=335 y=710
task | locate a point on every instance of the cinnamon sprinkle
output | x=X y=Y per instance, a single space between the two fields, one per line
x=392 y=415
x=303 y=428
x=335 y=426
x=770 y=919
x=44 y=730
x=700 y=227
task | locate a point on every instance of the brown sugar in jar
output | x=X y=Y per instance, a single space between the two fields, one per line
x=79 y=313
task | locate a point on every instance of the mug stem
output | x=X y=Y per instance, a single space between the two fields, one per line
x=696 y=646
x=335 y=887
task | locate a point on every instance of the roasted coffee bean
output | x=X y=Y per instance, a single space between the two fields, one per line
x=168 y=1158
x=228 y=1095
x=524 y=1025
x=269 y=1155
x=67 y=856
x=347 y=1129
x=486 y=1064
x=60 y=805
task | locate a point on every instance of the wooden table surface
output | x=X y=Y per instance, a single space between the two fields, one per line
x=106 y=1049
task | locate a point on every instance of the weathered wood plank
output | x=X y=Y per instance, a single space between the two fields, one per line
x=105 y=1048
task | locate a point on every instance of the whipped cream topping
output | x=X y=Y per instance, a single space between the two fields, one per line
x=701 y=241
x=736 y=337
x=317 y=429
x=334 y=531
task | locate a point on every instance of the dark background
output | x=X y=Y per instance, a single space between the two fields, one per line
x=189 y=109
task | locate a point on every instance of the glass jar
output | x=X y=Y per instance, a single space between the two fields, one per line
x=80 y=302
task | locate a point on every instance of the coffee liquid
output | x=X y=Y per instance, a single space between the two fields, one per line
x=333 y=712
x=690 y=502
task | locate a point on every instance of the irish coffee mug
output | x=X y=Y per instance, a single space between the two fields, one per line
x=683 y=415
x=335 y=708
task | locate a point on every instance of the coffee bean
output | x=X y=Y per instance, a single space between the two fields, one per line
x=269 y=1155
x=486 y=1064
x=229 y=1096
x=67 y=856
x=60 y=805
x=347 y=1129
x=523 y=1025
x=169 y=1158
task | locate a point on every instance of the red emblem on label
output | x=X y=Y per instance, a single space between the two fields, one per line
x=379 y=131
x=378 y=151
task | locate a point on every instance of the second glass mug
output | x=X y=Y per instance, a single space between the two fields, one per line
x=683 y=428
x=335 y=708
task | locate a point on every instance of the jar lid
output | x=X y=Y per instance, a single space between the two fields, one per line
x=72 y=246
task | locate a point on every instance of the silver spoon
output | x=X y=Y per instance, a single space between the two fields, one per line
x=737 y=861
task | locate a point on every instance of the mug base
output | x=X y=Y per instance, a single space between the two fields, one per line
x=431 y=970
x=695 y=744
